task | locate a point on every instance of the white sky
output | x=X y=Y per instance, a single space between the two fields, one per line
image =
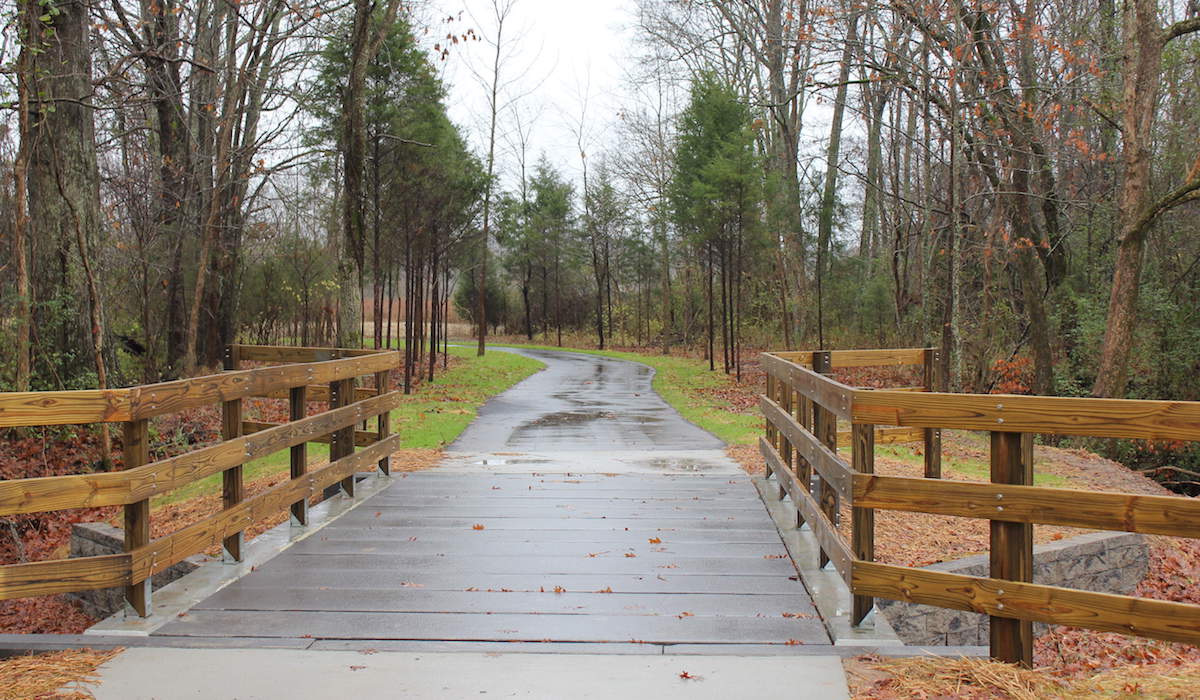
x=561 y=56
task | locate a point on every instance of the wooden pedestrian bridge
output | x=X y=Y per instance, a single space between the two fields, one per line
x=600 y=548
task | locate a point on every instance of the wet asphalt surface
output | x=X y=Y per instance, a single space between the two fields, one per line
x=578 y=513
x=582 y=402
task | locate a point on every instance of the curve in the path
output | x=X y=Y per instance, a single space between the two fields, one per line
x=582 y=402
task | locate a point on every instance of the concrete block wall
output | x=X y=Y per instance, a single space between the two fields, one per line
x=1103 y=562
x=95 y=539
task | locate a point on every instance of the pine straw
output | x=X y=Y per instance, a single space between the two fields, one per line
x=58 y=674
x=873 y=678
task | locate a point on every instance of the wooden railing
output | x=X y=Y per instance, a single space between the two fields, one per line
x=801 y=406
x=316 y=374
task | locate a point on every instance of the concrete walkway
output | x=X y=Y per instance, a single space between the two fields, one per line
x=579 y=519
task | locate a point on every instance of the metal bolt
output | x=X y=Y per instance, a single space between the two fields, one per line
x=999 y=407
x=999 y=420
x=1000 y=591
x=999 y=606
x=999 y=496
x=999 y=507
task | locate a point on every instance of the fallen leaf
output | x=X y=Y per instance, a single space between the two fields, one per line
x=655 y=540
x=685 y=614
x=606 y=589
x=631 y=555
x=357 y=668
x=410 y=584
x=477 y=526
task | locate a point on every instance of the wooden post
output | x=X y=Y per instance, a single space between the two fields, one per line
x=233 y=486
x=804 y=413
x=933 y=436
x=136 y=448
x=825 y=428
x=341 y=393
x=297 y=409
x=384 y=420
x=862 y=520
x=1011 y=549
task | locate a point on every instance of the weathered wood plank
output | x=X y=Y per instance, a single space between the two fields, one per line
x=298 y=455
x=167 y=551
x=29 y=408
x=362 y=438
x=135 y=447
x=319 y=393
x=43 y=494
x=888 y=436
x=832 y=468
x=169 y=397
x=861 y=358
x=1176 y=516
x=862 y=520
x=283 y=353
x=64 y=575
x=1126 y=418
x=832 y=395
x=1011 y=551
x=822 y=527
x=1156 y=619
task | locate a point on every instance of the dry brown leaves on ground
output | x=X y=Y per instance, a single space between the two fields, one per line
x=874 y=678
x=58 y=674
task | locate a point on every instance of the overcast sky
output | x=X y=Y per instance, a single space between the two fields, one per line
x=560 y=56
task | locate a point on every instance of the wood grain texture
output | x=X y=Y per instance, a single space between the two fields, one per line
x=1011 y=549
x=1143 y=617
x=362 y=438
x=135 y=447
x=887 y=436
x=64 y=575
x=832 y=395
x=169 y=397
x=284 y=353
x=29 y=408
x=298 y=454
x=20 y=496
x=832 y=468
x=1176 y=516
x=167 y=551
x=319 y=393
x=862 y=520
x=832 y=545
x=1124 y=418
x=862 y=358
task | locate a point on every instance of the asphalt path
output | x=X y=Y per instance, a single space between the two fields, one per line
x=582 y=402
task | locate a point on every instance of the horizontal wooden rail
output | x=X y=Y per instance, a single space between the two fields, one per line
x=1144 y=617
x=22 y=496
x=822 y=528
x=31 y=408
x=887 y=436
x=112 y=570
x=831 y=395
x=319 y=393
x=165 y=552
x=170 y=397
x=860 y=358
x=362 y=438
x=832 y=468
x=1118 y=418
x=282 y=353
x=1176 y=516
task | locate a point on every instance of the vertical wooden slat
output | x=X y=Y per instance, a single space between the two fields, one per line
x=136 y=448
x=862 y=520
x=233 y=486
x=297 y=409
x=933 y=436
x=785 y=445
x=825 y=429
x=385 y=419
x=1011 y=549
x=770 y=428
x=803 y=469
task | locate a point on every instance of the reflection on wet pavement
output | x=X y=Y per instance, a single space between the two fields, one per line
x=582 y=402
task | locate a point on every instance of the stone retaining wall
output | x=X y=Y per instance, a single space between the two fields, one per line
x=1103 y=562
x=95 y=539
